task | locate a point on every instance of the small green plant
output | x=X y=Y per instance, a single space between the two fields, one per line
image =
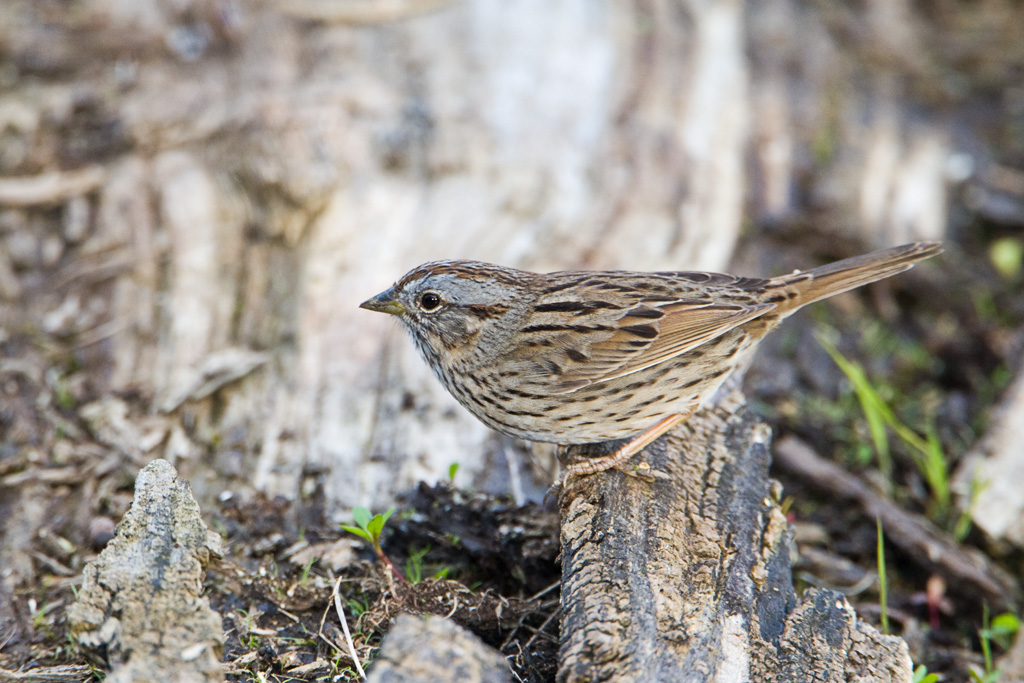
x=883 y=583
x=1001 y=630
x=304 y=576
x=369 y=528
x=414 y=565
x=63 y=397
x=39 y=617
x=1007 y=256
x=870 y=402
x=298 y=642
x=963 y=522
x=453 y=469
x=921 y=675
x=985 y=305
x=248 y=639
x=926 y=450
x=357 y=607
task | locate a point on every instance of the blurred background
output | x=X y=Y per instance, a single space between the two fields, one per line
x=195 y=195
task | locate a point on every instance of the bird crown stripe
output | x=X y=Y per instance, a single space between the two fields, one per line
x=469 y=270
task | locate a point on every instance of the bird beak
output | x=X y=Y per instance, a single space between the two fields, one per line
x=384 y=302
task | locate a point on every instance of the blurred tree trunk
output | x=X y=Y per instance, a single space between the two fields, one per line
x=196 y=196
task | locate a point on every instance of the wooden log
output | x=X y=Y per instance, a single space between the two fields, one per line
x=688 y=577
x=920 y=539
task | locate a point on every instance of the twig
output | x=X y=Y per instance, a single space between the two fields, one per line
x=50 y=188
x=521 y=624
x=545 y=591
x=921 y=539
x=554 y=613
x=336 y=595
x=361 y=11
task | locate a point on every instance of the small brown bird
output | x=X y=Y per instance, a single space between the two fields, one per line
x=586 y=356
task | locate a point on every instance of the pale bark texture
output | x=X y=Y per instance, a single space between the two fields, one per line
x=258 y=169
x=687 y=577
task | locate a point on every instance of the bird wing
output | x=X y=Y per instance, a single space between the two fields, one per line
x=684 y=329
x=605 y=343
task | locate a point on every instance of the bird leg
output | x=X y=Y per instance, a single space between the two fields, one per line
x=629 y=449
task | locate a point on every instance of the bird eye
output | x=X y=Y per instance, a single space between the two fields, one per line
x=430 y=301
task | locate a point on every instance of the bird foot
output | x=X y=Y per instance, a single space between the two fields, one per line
x=628 y=450
x=643 y=470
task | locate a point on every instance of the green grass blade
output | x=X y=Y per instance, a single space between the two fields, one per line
x=883 y=584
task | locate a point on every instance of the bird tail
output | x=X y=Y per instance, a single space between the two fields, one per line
x=802 y=288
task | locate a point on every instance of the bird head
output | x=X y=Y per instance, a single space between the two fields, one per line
x=450 y=307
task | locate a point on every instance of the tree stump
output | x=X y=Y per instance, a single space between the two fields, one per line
x=688 y=577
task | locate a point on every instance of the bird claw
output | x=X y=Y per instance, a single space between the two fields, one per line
x=643 y=470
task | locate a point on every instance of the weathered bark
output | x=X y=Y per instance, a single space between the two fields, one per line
x=48 y=674
x=687 y=578
x=269 y=167
x=140 y=608
x=430 y=649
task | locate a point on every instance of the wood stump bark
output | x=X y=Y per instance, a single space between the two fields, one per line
x=688 y=577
